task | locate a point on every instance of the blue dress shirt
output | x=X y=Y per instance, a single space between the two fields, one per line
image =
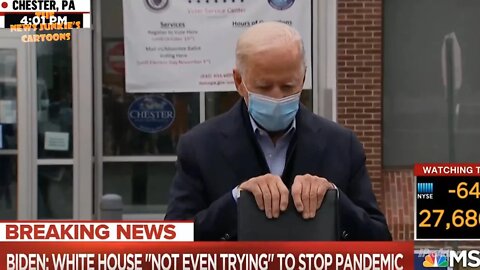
x=275 y=153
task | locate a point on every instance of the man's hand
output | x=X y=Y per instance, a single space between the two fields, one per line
x=308 y=192
x=270 y=193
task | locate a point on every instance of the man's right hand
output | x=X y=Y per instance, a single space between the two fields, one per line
x=270 y=193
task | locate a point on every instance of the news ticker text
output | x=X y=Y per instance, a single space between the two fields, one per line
x=206 y=255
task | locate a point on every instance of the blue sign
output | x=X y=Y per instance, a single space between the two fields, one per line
x=151 y=114
x=281 y=4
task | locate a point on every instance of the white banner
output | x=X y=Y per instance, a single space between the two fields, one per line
x=189 y=45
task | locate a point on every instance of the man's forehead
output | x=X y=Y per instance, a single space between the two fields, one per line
x=261 y=48
x=260 y=80
x=269 y=32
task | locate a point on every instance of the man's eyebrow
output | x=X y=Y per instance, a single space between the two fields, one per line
x=291 y=83
x=261 y=82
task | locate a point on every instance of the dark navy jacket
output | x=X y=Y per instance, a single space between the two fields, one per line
x=219 y=154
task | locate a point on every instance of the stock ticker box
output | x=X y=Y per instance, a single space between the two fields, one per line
x=447 y=202
x=447 y=208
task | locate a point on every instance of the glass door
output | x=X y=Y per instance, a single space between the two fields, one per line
x=63 y=128
x=45 y=128
x=14 y=145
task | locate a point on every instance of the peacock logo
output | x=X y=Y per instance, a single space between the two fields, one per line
x=433 y=260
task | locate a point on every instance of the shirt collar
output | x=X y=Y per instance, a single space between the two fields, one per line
x=256 y=128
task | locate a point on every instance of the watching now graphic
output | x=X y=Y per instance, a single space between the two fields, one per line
x=433 y=260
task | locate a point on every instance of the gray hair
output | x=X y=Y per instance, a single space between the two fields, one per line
x=264 y=35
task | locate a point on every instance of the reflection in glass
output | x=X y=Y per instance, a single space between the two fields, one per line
x=8 y=63
x=122 y=138
x=8 y=134
x=54 y=99
x=8 y=187
x=143 y=186
x=8 y=99
x=220 y=102
x=55 y=192
x=307 y=98
x=419 y=125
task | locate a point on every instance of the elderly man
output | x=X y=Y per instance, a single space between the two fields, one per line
x=270 y=145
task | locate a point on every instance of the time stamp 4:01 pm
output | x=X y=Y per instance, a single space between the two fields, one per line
x=44 y=19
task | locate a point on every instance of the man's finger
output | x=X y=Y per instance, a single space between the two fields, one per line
x=320 y=195
x=257 y=193
x=275 y=198
x=297 y=196
x=313 y=200
x=306 y=199
x=283 y=195
x=267 y=199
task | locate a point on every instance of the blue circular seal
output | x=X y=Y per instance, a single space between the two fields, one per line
x=281 y=4
x=151 y=114
x=156 y=5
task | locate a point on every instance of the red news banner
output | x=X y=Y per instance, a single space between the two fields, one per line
x=167 y=245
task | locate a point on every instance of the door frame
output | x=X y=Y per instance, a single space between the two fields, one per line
x=81 y=160
x=12 y=40
x=82 y=98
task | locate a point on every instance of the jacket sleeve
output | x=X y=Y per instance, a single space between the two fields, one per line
x=360 y=217
x=189 y=199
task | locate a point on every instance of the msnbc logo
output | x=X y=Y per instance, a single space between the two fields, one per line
x=433 y=260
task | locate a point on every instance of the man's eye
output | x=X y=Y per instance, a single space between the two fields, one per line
x=263 y=87
x=287 y=88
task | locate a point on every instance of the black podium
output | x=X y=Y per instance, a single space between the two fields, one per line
x=253 y=225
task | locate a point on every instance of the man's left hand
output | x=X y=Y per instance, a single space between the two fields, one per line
x=308 y=192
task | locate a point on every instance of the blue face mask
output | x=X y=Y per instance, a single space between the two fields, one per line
x=271 y=113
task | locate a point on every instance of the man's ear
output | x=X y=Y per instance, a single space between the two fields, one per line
x=238 y=82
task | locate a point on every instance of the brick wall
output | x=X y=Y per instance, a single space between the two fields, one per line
x=359 y=77
x=399 y=204
x=359 y=86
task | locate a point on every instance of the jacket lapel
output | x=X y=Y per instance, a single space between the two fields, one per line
x=305 y=148
x=239 y=147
